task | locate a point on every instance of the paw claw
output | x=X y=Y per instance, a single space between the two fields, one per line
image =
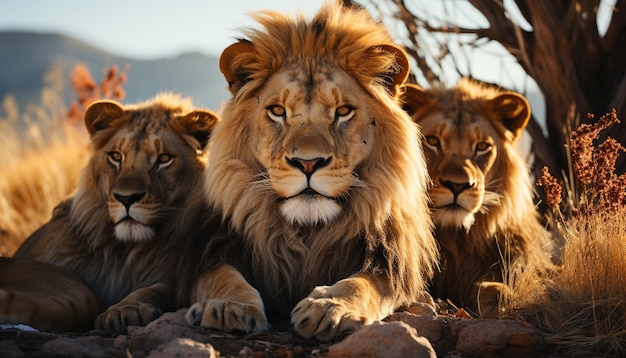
x=227 y=316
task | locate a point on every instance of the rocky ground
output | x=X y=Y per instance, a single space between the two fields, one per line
x=418 y=332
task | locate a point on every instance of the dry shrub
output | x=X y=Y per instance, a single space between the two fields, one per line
x=44 y=148
x=582 y=308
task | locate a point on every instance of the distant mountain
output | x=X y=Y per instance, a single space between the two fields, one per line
x=26 y=58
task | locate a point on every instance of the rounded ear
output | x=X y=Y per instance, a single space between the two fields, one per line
x=413 y=98
x=101 y=115
x=416 y=101
x=199 y=124
x=232 y=68
x=399 y=72
x=512 y=110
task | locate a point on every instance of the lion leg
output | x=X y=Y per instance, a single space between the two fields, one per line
x=137 y=309
x=332 y=311
x=45 y=297
x=226 y=301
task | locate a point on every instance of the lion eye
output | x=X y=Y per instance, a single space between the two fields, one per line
x=343 y=113
x=115 y=158
x=277 y=113
x=432 y=142
x=482 y=147
x=164 y=159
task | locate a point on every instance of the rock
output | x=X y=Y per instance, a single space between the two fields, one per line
x=476 y=337
x=422 y=309
x=89 y=346
x=167 y=328
x=435 y=329
x=498 y=338
x=184 y=348
x=382 y=339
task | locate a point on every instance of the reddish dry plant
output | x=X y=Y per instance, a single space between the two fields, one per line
x=88 y=91
x=600 y=189
x=551 y=187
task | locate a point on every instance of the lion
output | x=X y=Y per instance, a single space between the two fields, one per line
x=45 y=296
x=481 y=192
x=315 y=196
x=145 y=159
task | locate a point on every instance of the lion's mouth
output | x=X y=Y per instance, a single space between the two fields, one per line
x=129 y=220
x=452 y=207
x=309 y=193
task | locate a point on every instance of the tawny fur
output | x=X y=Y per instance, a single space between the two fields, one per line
x=371 y=243
x=501 y=232
x=45 y=297
x=154 y=151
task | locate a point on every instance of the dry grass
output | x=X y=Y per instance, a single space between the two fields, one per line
x=41 y=168
x=44 y=149
x=582 y=307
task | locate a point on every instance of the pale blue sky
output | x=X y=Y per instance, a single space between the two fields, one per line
x=148 y=29
x=145 y=29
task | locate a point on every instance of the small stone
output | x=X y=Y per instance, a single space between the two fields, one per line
x=381 y=339
x=184 y=348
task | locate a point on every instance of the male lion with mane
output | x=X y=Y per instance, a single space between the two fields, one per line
x=146 y=158
x=315 y=196
x=482 y=196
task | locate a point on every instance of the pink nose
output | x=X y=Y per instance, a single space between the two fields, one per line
x=308 y=166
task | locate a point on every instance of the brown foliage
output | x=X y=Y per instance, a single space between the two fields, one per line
x=45 y=170
x=598 y=189
x=582 y=309
x=87 y=90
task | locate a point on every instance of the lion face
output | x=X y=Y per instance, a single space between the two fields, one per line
x=145 y=162
x=314 y=135
x=310 y=127
x=463 y=140
x=136 y=199
x=460 y=169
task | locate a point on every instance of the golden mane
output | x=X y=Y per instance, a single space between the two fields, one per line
x=347 y=38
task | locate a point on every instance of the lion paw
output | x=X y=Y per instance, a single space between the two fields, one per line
x=117 y=318
x=227 y=316
x=324 y=318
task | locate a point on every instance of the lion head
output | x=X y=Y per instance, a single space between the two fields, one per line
x=470 y=132
x=481 y=193
x=145 y=159
x=315 y=160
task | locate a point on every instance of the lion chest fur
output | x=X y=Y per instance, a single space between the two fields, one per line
x=288 y=264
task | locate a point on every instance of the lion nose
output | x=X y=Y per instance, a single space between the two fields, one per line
x=455 y=188
x=308 y=166
x=128 y=200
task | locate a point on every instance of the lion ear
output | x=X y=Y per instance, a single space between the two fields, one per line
x=231 y=64
x=416 y=101
x=513 y=111
x=399 y=72
x=199 y=124
x=413 y=99
x=102 y=115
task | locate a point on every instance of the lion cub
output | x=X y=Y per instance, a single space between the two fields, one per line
x=481 y=193
x=146 y=158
